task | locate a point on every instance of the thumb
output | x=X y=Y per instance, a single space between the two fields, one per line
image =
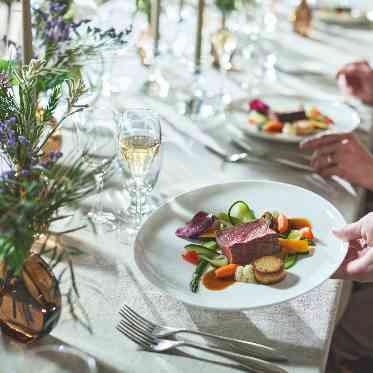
x=363 y=264
x=349 y=232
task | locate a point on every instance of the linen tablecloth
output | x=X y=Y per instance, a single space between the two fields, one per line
x=108 y=277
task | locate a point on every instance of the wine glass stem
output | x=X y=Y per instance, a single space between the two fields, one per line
x=138 y=202
x=97 y=209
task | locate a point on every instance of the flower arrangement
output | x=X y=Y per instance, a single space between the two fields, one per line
x=35 y=185
x=64 y=43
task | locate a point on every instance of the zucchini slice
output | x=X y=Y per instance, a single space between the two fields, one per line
x=240 y=212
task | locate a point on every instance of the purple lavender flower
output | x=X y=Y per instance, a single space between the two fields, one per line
x=7 y=175
x=4 y=81
x=57 y=30
x=22 y=140
x=57 y=8
x=11 y=121
x=25 y=173
x=55 y=156
x=11 y=137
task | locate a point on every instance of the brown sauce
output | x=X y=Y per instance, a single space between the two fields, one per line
x=211 y=282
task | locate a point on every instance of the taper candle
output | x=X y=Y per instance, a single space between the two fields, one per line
x=181 y=8
x=199 y=37
x=26 y=31
x=156 y=15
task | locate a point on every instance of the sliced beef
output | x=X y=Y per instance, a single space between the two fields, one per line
x=200 y=223
x=246 y=242
x=291 y=116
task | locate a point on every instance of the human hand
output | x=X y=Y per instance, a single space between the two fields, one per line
x=358 y=264
x=356 y=79
x=341 y=155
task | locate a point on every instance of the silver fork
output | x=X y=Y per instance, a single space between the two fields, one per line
x=250 y=348
x=153 y=344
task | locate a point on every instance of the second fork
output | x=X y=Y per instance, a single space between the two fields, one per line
x=246 y=347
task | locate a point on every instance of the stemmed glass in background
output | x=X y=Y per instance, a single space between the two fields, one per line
x=140 y=160
x=98 y=139
x=225 y=45
x=254 y=23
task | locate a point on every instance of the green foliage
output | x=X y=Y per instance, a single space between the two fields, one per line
x=145 y=6
x=29 y=204
x=22 y=102
x=226 y=6
x=37 y=186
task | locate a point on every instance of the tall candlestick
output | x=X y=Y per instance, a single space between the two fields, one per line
x=26 y=31
x=199 y=37
x=181 y=8
x=156 y=15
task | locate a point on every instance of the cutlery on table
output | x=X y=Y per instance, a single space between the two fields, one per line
x=153 y=344
x=158 y=331
x=244 y=156
x=267 y=157
x=247 y=143
x=310 y=70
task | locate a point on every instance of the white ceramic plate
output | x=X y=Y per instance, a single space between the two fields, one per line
x=158 y=251
x=345 y=118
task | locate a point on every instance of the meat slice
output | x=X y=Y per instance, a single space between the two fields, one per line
x=291 y=116
x=200 y=223
x=246 y=242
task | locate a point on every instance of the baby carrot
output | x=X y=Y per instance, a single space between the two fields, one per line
x=307 y=233
x=228 y=270
x=293 y=246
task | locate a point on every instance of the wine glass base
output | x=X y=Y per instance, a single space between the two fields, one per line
x=156 y=86
x=200 y=109
x=128 y=222
x=105 y=220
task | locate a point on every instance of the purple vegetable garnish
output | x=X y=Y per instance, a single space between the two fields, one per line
x=200 y=223
x=259 y=106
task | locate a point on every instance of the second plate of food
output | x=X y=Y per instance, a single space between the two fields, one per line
x=240 y=245
x=291 y=119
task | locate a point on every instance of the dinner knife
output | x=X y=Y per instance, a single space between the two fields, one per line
x=265 y=156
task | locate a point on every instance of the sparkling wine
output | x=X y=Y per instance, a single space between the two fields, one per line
x=139 y=152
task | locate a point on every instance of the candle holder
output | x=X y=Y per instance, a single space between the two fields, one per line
x=156 y=84
x=195 y=104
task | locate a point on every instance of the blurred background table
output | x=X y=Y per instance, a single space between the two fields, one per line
x=301 y=328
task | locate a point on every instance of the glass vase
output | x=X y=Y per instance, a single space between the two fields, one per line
x=30 y=303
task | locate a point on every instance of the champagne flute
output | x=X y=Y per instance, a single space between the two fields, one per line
x=139 y=141
x=98 y=139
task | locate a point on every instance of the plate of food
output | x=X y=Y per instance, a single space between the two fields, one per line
x=240 y=245
x=344 y=16
x=291 y=119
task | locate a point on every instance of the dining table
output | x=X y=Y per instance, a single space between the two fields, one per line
x=107 y=275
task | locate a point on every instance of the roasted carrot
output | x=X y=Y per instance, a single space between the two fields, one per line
x=294 y=246
x=228 y=270
x=273 y=126
x=282 y=223
x=307 y=233
x=299 y=223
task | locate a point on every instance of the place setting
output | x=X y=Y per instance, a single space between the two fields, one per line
x=184 y=184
